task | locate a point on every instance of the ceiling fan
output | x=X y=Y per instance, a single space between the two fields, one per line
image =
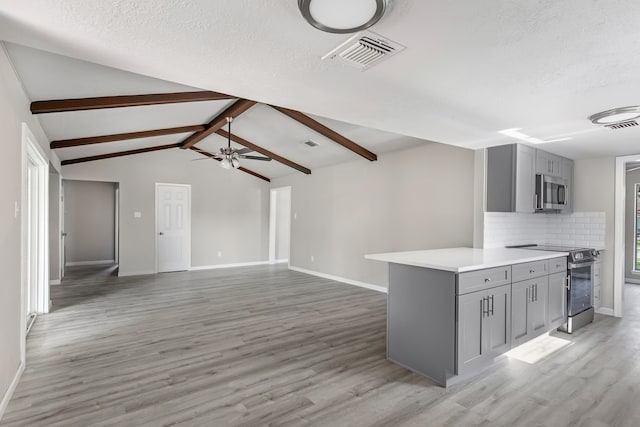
x=228 y=156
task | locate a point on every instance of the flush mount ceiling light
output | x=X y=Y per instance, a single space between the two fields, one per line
x=616 y=115
x=340 y=16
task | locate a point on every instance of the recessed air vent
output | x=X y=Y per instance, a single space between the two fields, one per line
x=310 y=143
x=365 y=50
x=622 y=125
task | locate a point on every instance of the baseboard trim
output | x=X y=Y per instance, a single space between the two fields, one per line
x=632 y=280
x=98 y=262
x=237 y=264
x=376 y=288
x=54 y=282
x=11 y=389
x=279 y=261
x=135 y=273
x=606 y=311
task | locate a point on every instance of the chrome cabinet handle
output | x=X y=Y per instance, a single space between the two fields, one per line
x=492 y=301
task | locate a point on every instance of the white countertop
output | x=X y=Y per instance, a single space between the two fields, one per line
x=459 y=260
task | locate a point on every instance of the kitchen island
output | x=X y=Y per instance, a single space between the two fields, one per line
x=451 y=312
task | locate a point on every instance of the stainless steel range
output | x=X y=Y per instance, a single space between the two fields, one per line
x=579 y=284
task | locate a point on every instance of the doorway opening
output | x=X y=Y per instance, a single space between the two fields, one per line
x=35 y=216
x=279 y=225
x=636 y=229
x=173 y=227
x=90 y=231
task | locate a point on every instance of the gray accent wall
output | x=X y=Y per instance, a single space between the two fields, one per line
x=593 y=191
x=89 y=221
x=229 y=215
x=419 y=198
x=632 y=179
x=14 y=110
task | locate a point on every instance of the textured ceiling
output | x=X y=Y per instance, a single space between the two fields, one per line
x=470 y=69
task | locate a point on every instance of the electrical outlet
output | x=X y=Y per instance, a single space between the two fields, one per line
x=312 y=258
x=16 y=210
x=137 y=214
x=295 y=216
x=219 y=253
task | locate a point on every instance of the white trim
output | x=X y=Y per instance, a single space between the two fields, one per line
x=188 y=186
x=604 y=310
x=632 y=281
x=54 y=282
x=376 y=288
x=237 y=264
x=136 y=273
x=280 y=261
x=12 y=388
x=619 y=235
x=97 y=262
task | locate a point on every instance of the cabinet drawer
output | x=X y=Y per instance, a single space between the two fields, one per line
x=558 y=265
x=529 y=270
x=483 y=279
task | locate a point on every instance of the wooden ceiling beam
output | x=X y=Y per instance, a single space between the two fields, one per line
x=325 y=131
x=264 y=151
x=64 y=143
x=243 y=169
x=97 y=103
x=239 y=107
x=119 y=154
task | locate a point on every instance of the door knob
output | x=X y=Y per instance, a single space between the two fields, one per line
x=161 y=233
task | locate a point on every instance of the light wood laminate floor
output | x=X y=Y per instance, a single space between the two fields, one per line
x=269 y=346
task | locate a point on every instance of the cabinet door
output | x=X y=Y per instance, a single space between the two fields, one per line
x=539 y=306
x=498 y=323
x=542 y=162
x=555 y=162
x=520 y=296
x=472 y=309
x=525 y=178
x=557 y=299
x=567 y=174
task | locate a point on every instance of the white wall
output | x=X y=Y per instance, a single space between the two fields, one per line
x=229 y=208
x=89 y=221
x=419 y=198
x=14 y=110
x=594 y=184
x=632 y=178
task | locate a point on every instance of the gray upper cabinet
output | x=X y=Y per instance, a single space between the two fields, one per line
x=567 y=174
x=548 y=164
x=510 y=178
x=484 y=327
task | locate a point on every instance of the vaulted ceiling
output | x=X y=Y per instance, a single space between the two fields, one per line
x=77 y=108
x=470 y=68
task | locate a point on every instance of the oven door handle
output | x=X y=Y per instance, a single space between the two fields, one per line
x=568 y=285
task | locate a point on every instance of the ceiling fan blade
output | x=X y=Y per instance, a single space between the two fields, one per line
x=244 y=150
x=264 y=159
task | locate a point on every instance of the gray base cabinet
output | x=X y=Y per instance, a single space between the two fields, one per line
x=449 y=326
x=529 y=310
x=557 y=299
x=484 y=324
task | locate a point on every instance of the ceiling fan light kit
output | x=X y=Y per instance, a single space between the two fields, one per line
x=342 y=17
x=616 y=115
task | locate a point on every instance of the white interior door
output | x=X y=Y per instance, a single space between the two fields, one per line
x=173 y=213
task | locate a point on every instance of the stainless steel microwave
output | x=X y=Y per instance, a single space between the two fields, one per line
x=551 y=193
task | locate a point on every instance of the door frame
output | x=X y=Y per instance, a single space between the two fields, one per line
x=33 y=153
x=619 y=232
x=188 y=186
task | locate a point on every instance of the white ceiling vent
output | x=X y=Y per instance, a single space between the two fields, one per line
x=310 y=143
x=622 y=125
x=364 y=50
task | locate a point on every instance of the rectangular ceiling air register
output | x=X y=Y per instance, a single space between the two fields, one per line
x=364 y=50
